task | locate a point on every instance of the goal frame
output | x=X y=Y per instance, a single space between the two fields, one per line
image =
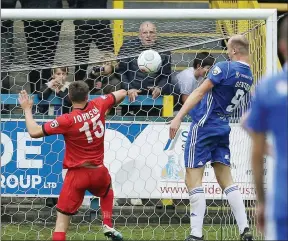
x=269 y=15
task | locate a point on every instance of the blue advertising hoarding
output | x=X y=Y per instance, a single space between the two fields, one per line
x=142 y=161
x=33 y=167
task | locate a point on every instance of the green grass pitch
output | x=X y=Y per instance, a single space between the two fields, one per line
x=91 y=232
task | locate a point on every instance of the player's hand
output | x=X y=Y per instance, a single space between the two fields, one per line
x=174 y=127
x=132 y=94
x=261 y=217
x=25 y=100
x=156 y=91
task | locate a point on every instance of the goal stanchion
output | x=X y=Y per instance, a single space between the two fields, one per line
x=143 y=162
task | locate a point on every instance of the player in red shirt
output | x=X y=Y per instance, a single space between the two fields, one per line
x=83 y=130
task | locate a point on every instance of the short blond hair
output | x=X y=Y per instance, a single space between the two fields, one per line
x=240 y=43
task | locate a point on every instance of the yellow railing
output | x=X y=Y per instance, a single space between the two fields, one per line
x=255 y=30
x=118 y=26
x=255 y=4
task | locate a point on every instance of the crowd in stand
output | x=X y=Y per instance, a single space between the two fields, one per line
x=42 y=38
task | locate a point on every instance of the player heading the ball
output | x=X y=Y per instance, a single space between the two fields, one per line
x=210 y=106
x=83 y=130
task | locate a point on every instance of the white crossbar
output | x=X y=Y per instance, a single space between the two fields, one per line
x=43 y=14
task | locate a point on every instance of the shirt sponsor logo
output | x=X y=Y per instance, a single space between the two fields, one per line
x=246 y=76
x=54 y=124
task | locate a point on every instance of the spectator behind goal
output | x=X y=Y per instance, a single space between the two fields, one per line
x=137 y=82
x=189 y=79
x=102 y=79
x=42 y=37
x=57 y=86
x=90 y=31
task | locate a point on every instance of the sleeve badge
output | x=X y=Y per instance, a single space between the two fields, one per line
x=104 y=97
x=54 y=124
x=216 y=71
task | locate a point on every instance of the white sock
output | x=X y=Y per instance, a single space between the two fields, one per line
x=237 y=205
x=197 y=210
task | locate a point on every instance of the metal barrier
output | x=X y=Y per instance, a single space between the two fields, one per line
x=165 y=101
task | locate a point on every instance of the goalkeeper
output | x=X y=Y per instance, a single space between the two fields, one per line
x=210 y=106
x=83 y=130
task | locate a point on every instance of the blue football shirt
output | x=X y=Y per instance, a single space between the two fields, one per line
x=232 y=80
x=269 y=115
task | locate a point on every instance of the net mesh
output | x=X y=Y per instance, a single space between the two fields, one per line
x=145 y=167
x=52 y=43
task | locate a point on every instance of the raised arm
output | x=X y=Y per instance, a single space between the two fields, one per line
x=119 y=96
x=109 y=101
x=26 y=102
x=58 y=126
x=194 y=98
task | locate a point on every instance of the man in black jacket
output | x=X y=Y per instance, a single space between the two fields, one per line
x=90 y=31
x=135 y=81
x=42 y=37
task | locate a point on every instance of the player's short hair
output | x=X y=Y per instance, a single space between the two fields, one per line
x=203 y=59
x=78 y=91
x=240 y=43
x=283 y=32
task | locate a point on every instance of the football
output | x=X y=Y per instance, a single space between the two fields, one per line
x=149 y=61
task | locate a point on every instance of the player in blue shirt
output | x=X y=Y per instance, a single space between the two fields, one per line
x=269 y=114
x=210 y=106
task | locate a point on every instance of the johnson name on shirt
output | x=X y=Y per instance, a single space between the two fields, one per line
x=86 y=116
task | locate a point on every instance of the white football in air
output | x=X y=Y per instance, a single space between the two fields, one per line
x=149 y=61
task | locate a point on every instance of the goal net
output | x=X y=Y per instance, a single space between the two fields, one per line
x=147 y=168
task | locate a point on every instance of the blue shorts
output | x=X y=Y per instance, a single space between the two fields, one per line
x=206 y=144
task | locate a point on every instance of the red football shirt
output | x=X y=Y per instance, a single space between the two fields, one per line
x=83 y=131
